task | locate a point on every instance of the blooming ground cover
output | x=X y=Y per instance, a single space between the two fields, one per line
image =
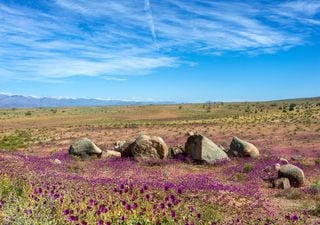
x=34 y=190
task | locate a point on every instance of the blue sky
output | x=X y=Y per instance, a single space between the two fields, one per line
x=177 y=50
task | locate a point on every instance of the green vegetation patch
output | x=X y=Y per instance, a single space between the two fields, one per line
x=16 y=140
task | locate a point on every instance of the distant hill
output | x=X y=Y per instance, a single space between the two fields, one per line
x=21 y=101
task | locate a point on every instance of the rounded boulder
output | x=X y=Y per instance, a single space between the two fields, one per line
x=149 y=148
x=293 y=173
x=84 y=148
x=243 y=148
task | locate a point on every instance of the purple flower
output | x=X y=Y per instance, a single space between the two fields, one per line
x=73 y=218
x=173 y=213
x=100 y=222
x=292 y=217
x=66 y=212
x=134 y=205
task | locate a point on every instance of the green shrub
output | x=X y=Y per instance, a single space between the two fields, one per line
x=315 y=187
x=292 y=106
x=317 y=209
x=28 y=113
x=248 y=167
x=19 y=139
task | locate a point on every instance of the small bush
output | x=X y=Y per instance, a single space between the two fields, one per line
x=54 y=110
x=28 y=113
x=317 y=161
x=315 y=187
x=239 y=176
x=247 y=168
x=317 y=209
x=292 y=106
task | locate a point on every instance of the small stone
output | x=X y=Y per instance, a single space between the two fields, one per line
x=190 y=133
x=282 y=183
x=277 y=166
x=283 y=160
x=57 y=161
x=111 y=154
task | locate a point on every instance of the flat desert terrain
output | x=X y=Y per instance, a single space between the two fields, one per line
x=41 y=183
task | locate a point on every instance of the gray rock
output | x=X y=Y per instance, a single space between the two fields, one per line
x=149 y=148
x=293 y=173
x=190 y=133
x=277 y=166
x=282 y=183
x=242 y=148
x=200 y=148
x=176 y=150
x=283 y=160
x=111 y=154
x=56 y=161
x=84 y=148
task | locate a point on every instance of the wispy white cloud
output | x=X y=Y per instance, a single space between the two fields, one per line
x=110 y=39
x=150 y=19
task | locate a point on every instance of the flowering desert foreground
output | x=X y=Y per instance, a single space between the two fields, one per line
x=41 y=183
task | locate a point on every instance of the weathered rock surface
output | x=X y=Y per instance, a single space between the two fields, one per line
x=124 y=148
x=111 y=154
x=84 y=148
x=282 y=183
x=149 y=148
x=200 y=148
x=283 y=160
x=293 y=173
x=243 y=148
x=176 y=150
x=56 y=161
x=190 y=133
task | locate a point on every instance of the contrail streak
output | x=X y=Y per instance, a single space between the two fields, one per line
x=150 y=20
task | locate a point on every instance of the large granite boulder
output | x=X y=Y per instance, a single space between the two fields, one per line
x=293 y=173
x=242 y=148
x=149 y=148
x=84 y=148
x=200 y=148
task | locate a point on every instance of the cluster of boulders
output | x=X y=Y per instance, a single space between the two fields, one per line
x=197 y=147
x=288 y=175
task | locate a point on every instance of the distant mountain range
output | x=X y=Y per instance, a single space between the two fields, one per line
x=21 y=101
